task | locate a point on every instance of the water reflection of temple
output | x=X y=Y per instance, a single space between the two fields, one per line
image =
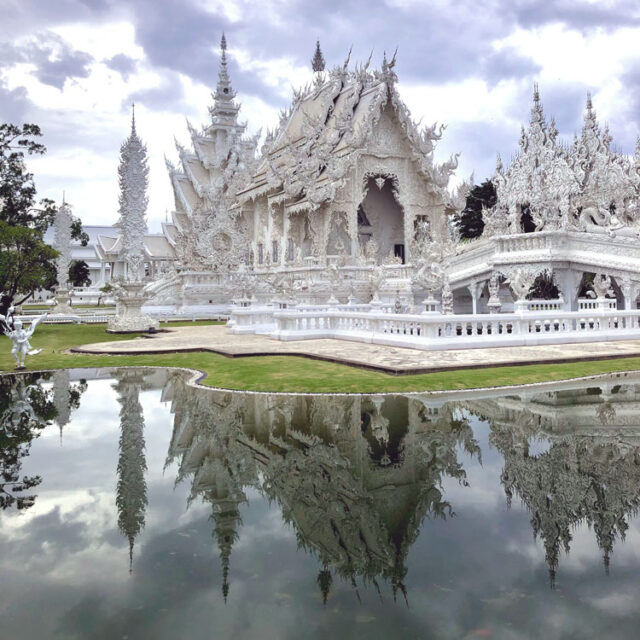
x=131 y=493
x=355 y=476
x=572 y=455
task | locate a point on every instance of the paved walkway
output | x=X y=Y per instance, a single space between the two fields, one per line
x=397 y=360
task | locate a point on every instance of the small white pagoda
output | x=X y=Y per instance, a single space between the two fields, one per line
x=130 y=289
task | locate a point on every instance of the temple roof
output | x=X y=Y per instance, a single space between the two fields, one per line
x=331 y=122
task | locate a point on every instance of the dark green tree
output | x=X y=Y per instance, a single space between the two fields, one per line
x=105 y=290
x=469 y=222
x=543 y=288
x=79 y=274
x=26 y=262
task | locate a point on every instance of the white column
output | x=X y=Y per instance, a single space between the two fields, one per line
x=473 y=290
x=285 y=237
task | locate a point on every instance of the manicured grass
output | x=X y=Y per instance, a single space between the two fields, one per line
x=288 y=373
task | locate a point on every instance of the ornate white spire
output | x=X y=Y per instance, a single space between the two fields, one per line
x=224 y=110
x=62 y=243
x=133 y=180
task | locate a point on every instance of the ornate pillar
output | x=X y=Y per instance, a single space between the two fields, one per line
x=474 y=290
x=268 y=244
x=629 y=291
x=568 y=281
x=352 y=230
x=408 y=222
x=494 y=303
x=62 y=242
x=285 y=237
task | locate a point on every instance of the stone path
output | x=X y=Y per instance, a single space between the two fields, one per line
x=396 y=360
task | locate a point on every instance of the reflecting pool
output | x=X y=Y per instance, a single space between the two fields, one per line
x=133 y=505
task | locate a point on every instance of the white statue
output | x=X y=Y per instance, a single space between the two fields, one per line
x=521 y=282
x=601 y=287
x=447 y=299
x=20 y=337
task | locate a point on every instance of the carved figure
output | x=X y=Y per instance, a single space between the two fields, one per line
x=20 y=337
x=447 y=299
x=429 y=276
x=521 y=282
x=494 y=303
x=601 y=287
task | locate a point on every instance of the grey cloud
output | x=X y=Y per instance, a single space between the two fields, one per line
x=23 y=17
x=168 y=96
x=123 y=64
x=55 y=60
x=507 y=64
x=566 y=103
x=478 y=143
x=578 y=14
x=56 y=72
x=14 y=104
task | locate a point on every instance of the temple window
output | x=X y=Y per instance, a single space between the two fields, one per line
x=274 y=251
x=290 y=250
x=260 y=253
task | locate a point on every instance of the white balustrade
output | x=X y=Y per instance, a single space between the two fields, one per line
x=597 y=303
x=437 y=331
x=545 y=305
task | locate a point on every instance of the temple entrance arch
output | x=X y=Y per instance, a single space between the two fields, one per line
x=381 y=217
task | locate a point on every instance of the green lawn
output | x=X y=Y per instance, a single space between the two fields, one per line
x=288 y=373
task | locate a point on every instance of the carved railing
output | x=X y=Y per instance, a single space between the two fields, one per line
x=585 y=304
x=436 y=331
x=545 y=305
x=587 y=251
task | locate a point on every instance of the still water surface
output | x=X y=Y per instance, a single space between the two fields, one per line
x=135 y=506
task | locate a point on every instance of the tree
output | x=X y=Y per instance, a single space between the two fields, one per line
x=469 y=222
x=26 y=262
x=105 y=290
x=79 y=274
x=543 y=288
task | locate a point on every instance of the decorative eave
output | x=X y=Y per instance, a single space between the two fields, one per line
x=167 y=234
x=176 y=179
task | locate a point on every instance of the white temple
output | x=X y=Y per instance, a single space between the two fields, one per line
x=342 y=225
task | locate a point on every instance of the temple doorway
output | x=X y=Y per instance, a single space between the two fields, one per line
x=381 y=219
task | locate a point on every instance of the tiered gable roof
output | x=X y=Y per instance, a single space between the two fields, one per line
x=208 y=176
x=328 y=125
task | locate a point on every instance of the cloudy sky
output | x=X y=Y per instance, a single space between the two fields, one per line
x=75 y=66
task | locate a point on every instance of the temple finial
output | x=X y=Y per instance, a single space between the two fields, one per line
x=223 y=43
x=133 y=118
x=589 y=101
x=317 y=62
x=536 y=93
